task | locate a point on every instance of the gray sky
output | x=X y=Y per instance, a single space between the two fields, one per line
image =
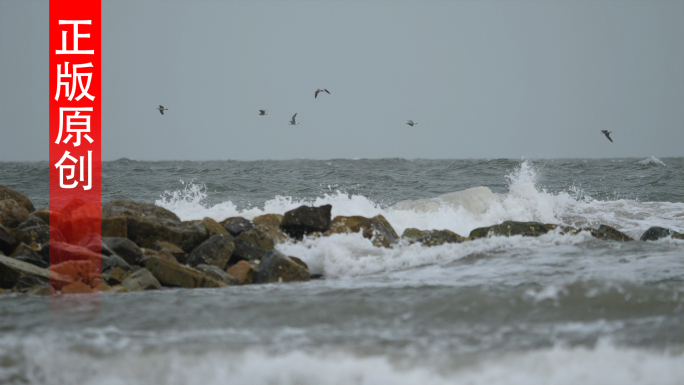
x=482 y=79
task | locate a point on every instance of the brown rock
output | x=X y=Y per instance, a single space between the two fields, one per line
x=8 y=193
x=137 y=210
x=377 y=229
x=41 y=290
x=270 y=220
x=264 y=237
x=11 y=270
x=114 y=227
x=178 y=253
x=116 y=276
x=608 y=233
x=12 y=214
x=218 y=274
x=43 y=214
x=175 y=275
x=116 y=289
x=77 y=288
x=62 y=252
x=243 y=271
x=214 y=251
x=432 y=237
x=276 y=267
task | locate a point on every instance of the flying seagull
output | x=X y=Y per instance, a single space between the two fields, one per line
x=162 y=109
x=411 y=123
x=293 y=122
x=607 y=134
x=262 y=112
x=321 y=90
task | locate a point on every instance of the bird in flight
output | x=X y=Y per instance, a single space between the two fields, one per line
x=411 y=123
x=607 y=134
x=262 y=112
x=162 y=109
x=293 y=122
x=321 y=90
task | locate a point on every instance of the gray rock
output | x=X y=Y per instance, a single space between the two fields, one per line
x=141 y=280
x=124 y=248
x=608 y=233
x=114 y=261
x=305 y=220
x=245 y=251
x=27 y=254
x=137 y=210
x=432 y=237
x=214 y=251
x=218 y=274
x=175 y=275
x=40 y=235
x=11 y=270
x=655 y=233
x=276 y=267
x=238 y=225
x=511 y=228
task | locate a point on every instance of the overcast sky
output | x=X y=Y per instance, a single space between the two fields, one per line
x=482 y=79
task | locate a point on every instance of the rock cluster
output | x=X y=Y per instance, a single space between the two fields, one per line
x=146 y=247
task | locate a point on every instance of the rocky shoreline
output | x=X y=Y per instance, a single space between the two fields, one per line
x=145 y=247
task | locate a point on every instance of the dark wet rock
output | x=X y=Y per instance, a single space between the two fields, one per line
x=377 y=229
x=12 y=214
x=214 y=251
x=269 y=220
x=21 y=199
x=25 y=253
x=264 y=237
x=276 y=267
x=11 y=270
x=32 y=221
x=243 y=271
x=124 y=248
x=305 y=220
x=27 y=282
x=238 y=225
x=178 y=253
x=218 y=274
x=43 y=214
x=7 y=241
x=140 y=280
x=77 y=288
x=245 y=251
x=176 y=275
x=212 y=227
x=114 y=227
x=511 y=228
x=608 y=233
x=655 y=233
x=432 y=237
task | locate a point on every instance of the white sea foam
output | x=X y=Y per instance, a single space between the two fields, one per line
x=459 y=211
x=604 y=364
x=651 y=160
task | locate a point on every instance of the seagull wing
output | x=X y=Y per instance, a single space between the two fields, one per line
x=326 y=91
x=316 y=95
x=608 y=136
x=293 y=117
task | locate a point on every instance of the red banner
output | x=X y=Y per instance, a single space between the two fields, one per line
x=75 y=145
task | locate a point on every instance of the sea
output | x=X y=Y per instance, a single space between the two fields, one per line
x=554 y=309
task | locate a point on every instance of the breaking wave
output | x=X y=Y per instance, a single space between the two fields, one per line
x=652 y=161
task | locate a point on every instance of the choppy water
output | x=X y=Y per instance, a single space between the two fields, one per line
x=550 y=310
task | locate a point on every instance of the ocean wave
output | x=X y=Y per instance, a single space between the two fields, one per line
x=605 y=363
x=652 y=160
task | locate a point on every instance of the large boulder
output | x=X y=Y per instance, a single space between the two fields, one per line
x=214 y=251
x=11 y=213
x=8 y=193
x=167 y=247
x=246 y=251
x=11 y=270
x=114 y=227
x=114 y=261
x=655 y=233
x=176 y=275
x=77 y=288
x=124 y=248
x=61 y=252
x=511 y=228
x=264 y=237
x=141 y=280
x=306 y=220
x=237 y=225
x=432 y=237
x=276 y=267
x=32 y=220
x=81 y=271
x=39 y=235
x=608 y=233
x=377 y=229
x=218 y=274
x=147 y=224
